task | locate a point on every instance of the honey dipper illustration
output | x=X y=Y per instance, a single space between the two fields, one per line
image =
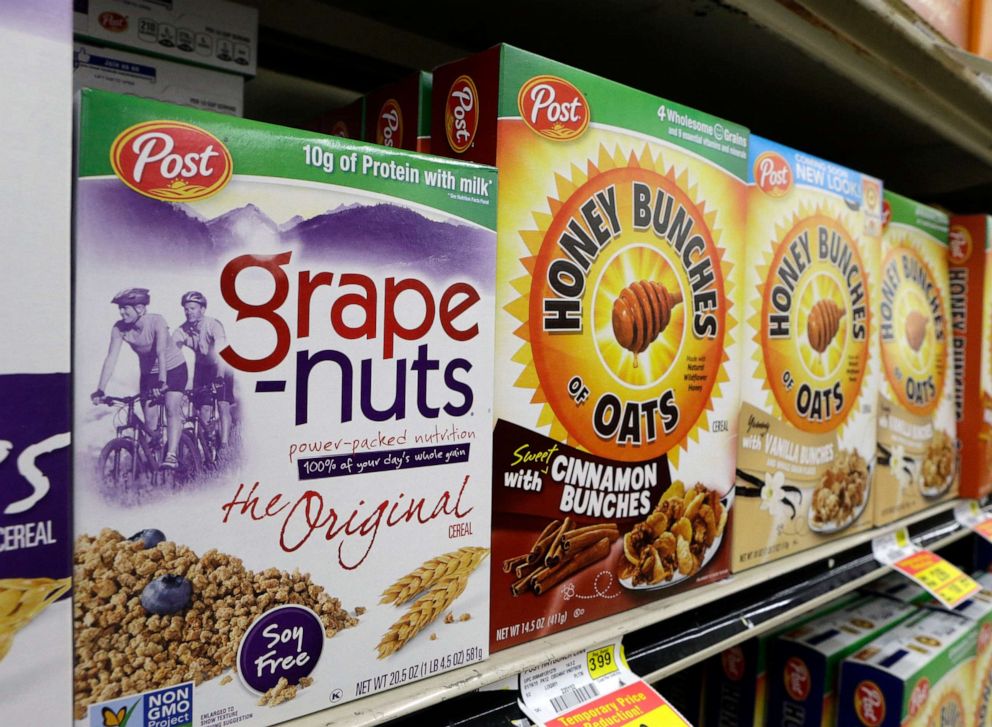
x=823 y=323
x=641 y=312
x=916 y=329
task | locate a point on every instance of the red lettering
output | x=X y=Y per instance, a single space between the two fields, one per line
x=306 y=287
x=368 y=304
x=392 y=327
x=449 y=313
x=266 y=311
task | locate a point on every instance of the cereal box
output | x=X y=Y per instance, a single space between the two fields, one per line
x=951 y=17
x=346 y=122
x=919 y=674
x=736 y=691
x=35 y=522
x=970 y=259
x=981 y=681
x=620 y=224
x=917 y=452
x=898 y=586
x=803 y=664
x=806 y=449
x=218 y=34
x=399 y=115
x=283 y=381
x=110 y=69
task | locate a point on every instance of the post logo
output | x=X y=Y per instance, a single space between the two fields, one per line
x=171 y=161
x=114 y=22
x=734 y=663
x=961 y=245
x=772 y=174
x=553 y=108
x=389 y=127
x=869 y=704
x=919 y=696
x=340 y=128
x=797 y=679
x=461 y=114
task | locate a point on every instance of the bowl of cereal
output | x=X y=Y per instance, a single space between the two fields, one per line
x=842 y=493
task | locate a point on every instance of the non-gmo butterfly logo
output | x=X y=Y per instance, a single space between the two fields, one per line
x=117 y=718
x=171 y=161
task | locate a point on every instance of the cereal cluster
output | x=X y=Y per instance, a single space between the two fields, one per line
x=939 y=462
x=674 y=537
x=122 y=648
x=842 y=489
x=283 y=691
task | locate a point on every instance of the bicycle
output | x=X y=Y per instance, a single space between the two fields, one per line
x=206 y=435
x=132 y=460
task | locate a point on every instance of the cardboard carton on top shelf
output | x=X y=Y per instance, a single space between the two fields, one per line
x=399 y=114
x=918 y=459
x=621 y=221
x=806 y=446
x=328 y=539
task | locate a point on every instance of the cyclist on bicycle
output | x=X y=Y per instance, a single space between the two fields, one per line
x=162 y=367
x=206 y=337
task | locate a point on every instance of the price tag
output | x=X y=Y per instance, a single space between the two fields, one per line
x=943 y=580
x=593 y=687
x=970 y=515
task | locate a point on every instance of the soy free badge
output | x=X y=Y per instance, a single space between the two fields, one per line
x=284 y=642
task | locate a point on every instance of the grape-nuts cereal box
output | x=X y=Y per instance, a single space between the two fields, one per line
x=620 y=225
x=35 y=510
x=970 y=259
x=807 y=424
x=917 y=449
x=283 y=381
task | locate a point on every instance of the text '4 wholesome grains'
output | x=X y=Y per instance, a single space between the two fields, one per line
x=621 y=217
x=284 y=391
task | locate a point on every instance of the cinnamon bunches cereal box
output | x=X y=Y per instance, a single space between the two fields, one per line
x=804 y=664
x=921 y=673
x=806 y=450
x=917 y=448
x=283 y=407
x=621 y=219
x=970 y=260
x=35 y=509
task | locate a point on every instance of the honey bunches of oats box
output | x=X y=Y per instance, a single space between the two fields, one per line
x=313 y=319
x=35 y=509
x=917 y=449
x=806 y=448
x=621 y=216
x=970 y=259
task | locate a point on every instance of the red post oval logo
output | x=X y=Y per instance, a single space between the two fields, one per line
x=919 y=696
x=553 y=108
x=869 y=704
x=960 y=245
x=171 y=161
x=114 y=22
x=772 y=174
x=461 y=114
x=797 y=679
x=389 y=126
x=340 y=128
x=734 y=663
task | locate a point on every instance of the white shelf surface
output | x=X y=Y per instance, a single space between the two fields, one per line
x=379 y=708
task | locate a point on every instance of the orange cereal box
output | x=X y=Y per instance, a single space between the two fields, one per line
x=917 y=429
x=810 y=379
x=621 y=217
x=971 y=323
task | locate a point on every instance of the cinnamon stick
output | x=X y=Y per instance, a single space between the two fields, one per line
x=553 y=557
x=584 y=537
x=525 y=582
x=550 y=577
x=511 y=563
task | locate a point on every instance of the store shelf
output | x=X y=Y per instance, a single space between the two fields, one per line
x=660 y=638
x=862 y=82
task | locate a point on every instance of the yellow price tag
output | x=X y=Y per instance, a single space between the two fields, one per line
x=601 y=662
x=661 y=717
x=902 y=537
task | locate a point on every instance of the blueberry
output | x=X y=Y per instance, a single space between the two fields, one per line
x=167 y=595
x=150 y=537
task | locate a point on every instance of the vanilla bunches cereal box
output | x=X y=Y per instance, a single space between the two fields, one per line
x=283 y=407
x=806 y=450
x=917 y=447
x=919 y=674
x=35 y=511
x=970 y=260
x=621 y=219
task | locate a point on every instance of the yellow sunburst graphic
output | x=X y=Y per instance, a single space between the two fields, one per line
x=624 y=306
x=914 y=339
x=811 y=317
